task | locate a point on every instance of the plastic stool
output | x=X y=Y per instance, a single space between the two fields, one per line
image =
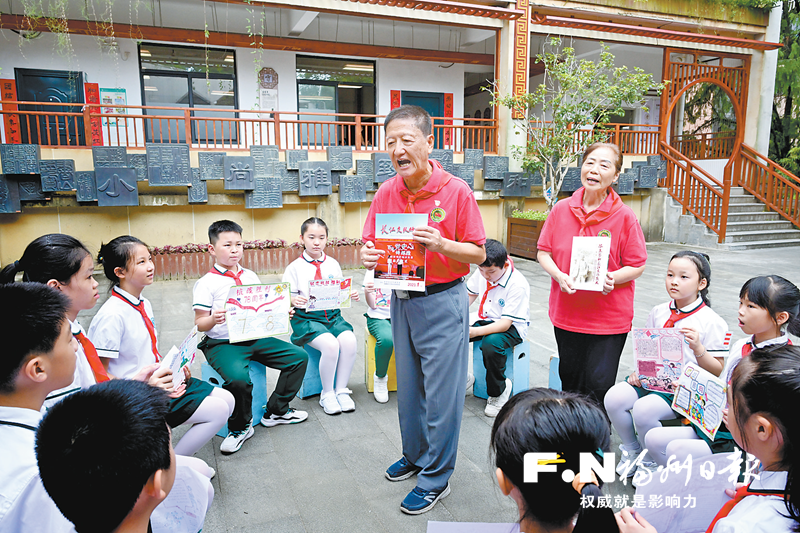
x=554 y=381
x=369 y=364
x=517 y=368
x=258 y=375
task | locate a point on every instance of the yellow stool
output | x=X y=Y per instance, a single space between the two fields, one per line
x=369 y=364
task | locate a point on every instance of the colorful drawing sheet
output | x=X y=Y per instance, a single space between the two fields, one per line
x=179 y=358
x=403 y=264
x=700 y=397
x=589 y=262
x=658 y=353
x=326 y=294
x=257 y=311
x=383 y=297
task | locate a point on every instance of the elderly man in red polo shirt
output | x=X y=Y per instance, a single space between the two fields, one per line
x=431 y=328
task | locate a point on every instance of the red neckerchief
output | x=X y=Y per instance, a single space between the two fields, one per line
x=147 y=322
x=99 y=371
x=677 y=314
x=490 y=286
x=741 y=492
x=610 y=205
x=229 y=274
x=422 y=193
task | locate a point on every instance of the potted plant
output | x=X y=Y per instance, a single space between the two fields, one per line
x=524 y=228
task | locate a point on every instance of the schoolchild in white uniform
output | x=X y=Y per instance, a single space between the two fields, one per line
x=634 y=409
x=379 y=324
x=762 y=416
x=38 y=358
x=125 y=336
x=325 y=331
x=768 y=305
x=503 y=318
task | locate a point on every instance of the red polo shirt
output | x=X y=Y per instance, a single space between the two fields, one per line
x=453 y=211
x=589 y=311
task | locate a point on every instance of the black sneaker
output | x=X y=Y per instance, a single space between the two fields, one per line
x=291 y=416
x=401 y=470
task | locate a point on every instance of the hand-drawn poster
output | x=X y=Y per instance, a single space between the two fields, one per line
x=403 y=264
x=326 y=294
x=179 y=358
x=257 y=311
x=658 y=353
x=589 y=262
x=110 y=98
x=700 y=397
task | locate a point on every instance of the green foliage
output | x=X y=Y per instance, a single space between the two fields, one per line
x=784 y=147
x=529 y=214
x=708 y=109
x=565 y=111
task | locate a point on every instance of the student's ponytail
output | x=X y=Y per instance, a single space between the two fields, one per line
x=703 y=264
x=53 y=256
x=117 y=253
x=768 y=383
x=593 y=518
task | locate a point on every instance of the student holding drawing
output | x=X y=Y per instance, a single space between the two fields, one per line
x=631 y=407
x=232 y=361
x=379 y=324
x=325 y=331
x=768 y=308
x=591 y=327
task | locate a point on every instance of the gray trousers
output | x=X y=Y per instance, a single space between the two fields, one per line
x=431 y=340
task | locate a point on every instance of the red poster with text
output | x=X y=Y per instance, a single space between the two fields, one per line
x=92 y=91
x=8 y=92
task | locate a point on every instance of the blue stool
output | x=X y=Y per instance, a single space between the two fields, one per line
x=312 y=383
x=258 y=375
x=554 y=381
x=517 y=368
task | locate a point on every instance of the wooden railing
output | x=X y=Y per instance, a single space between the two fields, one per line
x=697 y=191
x=632 y=139
x=699 y=146
x=778 y=188
x=212 y=129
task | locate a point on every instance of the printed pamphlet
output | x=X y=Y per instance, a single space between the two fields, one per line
x=589 y=262
x=403 y=264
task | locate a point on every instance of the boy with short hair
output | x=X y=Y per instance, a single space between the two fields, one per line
x=38 y=357
x=113 y=438
x=232 y=361
x=503 y=318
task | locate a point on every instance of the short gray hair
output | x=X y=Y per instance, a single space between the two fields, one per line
x=419 y=116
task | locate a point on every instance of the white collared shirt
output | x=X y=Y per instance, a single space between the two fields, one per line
x=736 y=352
x=510 y=299
x=84 y=376
x=119 y=333
x=24 y=504
x=714 y=333
x=211 y=292
x=302 y=270
x=756 y=514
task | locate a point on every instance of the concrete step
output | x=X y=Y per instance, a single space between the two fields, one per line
x=739 y=226
x=740 y=199
x=742 y=208
x=755 y=245
x=762 y=235
x=742 y=216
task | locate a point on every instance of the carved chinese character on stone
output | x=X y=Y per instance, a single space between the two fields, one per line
x=648 y=177
x=445 y=157
x=624 y=184
x=109 y=156
x=315 y=178
x=473 y=157
x=293 y=157
x=365 y=169
x=266 y=195
x=340 y=157
x=382 y=166
x=465 y=172
x=20 y=158
x=86 y=186
x=30 y=187
x=9 y=196
x=212 y=165
x=290 y=179
x=262 y=155
x=138 y=162
x=516 y=184
x=352 y=188
x=57 y=174
x=494 y=167
x=168 y=164
x=572 y=180
x=198 y=191
x=239 y=173
x=116 y=187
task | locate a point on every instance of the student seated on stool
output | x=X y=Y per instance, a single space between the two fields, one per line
x=503 y=318
x=380 y=326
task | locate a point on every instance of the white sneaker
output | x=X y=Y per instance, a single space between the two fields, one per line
x=626 y=467
x=381 y=388
x=343 y=397
x=495 y=403
x=233 y=442
x=470 y=381
x=329 y=404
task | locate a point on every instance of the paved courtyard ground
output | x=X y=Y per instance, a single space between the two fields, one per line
x=326 y=474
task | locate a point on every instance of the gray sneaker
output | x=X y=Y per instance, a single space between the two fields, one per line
x=291 y=416
x=495 y=403
x=233 y=442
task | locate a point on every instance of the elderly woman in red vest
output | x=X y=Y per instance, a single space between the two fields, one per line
x=591 y=326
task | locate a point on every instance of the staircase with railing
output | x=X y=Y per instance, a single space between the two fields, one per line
x=755 y=205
